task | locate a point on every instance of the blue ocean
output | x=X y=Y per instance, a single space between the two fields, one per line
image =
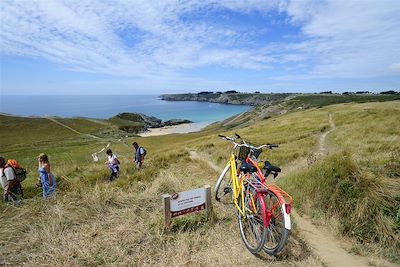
x=105 y=106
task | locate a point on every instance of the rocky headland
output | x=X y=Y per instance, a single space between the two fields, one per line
x=138 y=122
x=228 y=97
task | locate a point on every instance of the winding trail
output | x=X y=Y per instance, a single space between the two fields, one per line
x=71 y=129
x=94 y=155
x=320 y=152
x=322 y=144
x=331 y=250
x=196 y=156
x=234 y=119
x=323 y=243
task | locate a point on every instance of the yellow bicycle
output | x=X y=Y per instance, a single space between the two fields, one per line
x=247 y=196
x=263 y=211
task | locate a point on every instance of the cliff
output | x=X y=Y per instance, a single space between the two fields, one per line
x=234 y=98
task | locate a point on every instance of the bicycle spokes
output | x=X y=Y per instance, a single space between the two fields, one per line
x=251 y=222
x=277 y=234
x=263 y=211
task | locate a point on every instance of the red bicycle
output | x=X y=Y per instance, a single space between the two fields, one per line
x=276 y=202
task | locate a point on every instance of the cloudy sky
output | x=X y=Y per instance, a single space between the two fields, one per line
x=152 y=47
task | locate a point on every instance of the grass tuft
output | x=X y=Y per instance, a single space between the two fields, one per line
x=367 y=206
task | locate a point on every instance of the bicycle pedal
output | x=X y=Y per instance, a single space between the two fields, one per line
x=227 y=190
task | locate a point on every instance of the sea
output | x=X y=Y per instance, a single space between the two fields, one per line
x=106 y=106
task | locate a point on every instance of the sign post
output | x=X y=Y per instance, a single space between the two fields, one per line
x=167 y=212
x=208 y=203
x=186 y=202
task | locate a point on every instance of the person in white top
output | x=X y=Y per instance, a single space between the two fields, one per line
x=8 y=181
x=113 y=164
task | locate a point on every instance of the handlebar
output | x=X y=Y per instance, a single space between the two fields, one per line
x=231 y=139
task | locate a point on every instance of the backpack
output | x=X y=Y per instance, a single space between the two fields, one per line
x=20 y=173
x=144 y=151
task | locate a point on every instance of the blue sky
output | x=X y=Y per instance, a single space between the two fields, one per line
x=153 y=47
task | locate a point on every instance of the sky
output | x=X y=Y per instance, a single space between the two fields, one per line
x=56 y=47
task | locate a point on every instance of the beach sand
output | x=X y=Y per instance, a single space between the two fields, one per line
x=182 y=128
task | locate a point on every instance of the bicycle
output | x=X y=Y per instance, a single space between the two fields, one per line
x=275 y=203
x=248 y=201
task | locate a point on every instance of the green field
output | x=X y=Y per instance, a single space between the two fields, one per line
x=91 y=222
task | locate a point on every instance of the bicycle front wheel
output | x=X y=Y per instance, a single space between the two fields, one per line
x=277 y=234
x=223 y=189
x=251 y=224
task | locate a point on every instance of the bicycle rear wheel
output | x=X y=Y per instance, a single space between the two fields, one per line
x=276 y=232
x=223 y=189
x=251 y=225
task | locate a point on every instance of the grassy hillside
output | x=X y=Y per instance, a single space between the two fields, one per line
x=40 y=130
x=296 y=102
x=357 y=188
x=91 y=222
x=316 y=100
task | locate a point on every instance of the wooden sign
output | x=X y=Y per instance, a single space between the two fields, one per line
x=186 y=202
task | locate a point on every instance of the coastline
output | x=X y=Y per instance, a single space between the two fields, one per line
x=176 y=129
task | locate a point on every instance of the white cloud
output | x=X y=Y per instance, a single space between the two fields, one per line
x=148 y=39
x=348 y=39
x=91 y=35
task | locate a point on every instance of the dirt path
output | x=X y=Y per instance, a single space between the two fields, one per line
x=297 y=254
x=195 y=156
x=323 y=243
x=322 y=144
x=234 y=119
x=320 y=152
x=94 y=155
x=71 y=129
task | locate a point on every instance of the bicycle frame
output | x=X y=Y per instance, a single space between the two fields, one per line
x=283 y=197
x=237 y=184
x=252 y=196
x=237 y=187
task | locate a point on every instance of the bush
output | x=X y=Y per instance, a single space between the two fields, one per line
x=390 y=92
x=367 y=206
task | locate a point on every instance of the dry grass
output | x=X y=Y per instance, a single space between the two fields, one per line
x=112 y=225
x=359 y=187
x=92 y=223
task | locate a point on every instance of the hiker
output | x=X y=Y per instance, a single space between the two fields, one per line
x=8 y=181
x=113 y=164
x=140 y=153
x=47 y=179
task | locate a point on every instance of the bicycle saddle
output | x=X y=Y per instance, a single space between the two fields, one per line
x=246 y=167
x=268 y=166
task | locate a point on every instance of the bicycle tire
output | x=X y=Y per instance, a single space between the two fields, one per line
x=252 y=229
x=277 y=233
x=223 y=186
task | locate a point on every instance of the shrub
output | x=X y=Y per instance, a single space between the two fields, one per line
x=367 y=206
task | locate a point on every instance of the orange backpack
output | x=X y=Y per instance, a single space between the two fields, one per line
x=20 y=173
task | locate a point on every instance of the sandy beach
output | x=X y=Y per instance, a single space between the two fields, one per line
x=182 y=128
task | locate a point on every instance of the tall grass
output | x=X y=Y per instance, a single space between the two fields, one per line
x=91 y=222
x=367 y=206
x=120 y=224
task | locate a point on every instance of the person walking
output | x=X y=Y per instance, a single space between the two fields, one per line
x=8 y=181
x=140 y=153
x=47 y=179
x=113 y=164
